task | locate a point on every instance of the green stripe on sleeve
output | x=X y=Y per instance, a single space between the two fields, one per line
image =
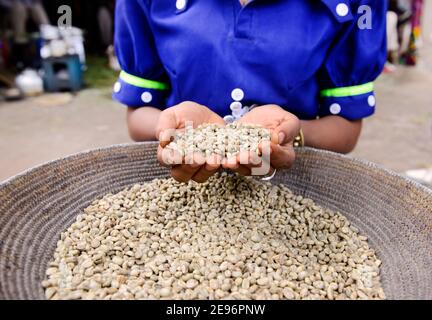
x=348 y=91
x=142 y=83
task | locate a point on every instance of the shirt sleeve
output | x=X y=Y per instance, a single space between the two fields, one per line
x=143 y=80
x=354 y=61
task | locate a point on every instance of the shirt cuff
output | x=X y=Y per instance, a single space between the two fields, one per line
x=352 y=103
x=137 y=92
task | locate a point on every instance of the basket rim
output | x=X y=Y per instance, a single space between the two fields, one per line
x=363 y=162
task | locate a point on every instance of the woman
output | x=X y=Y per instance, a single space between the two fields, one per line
x=308 y=64
x=18 y=12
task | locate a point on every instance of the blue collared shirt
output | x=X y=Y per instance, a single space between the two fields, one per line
x=312 y=57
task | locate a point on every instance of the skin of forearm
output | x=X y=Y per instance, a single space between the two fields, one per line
x=332 y=133
x=142 y=123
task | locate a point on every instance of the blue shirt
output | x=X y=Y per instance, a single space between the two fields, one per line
x=312 y=57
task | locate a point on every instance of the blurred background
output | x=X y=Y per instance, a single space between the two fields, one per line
x=55 y=86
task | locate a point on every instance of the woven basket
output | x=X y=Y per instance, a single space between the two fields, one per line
x=36 y=206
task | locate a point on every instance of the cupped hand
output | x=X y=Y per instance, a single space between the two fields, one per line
x=283 y=126
x=179 y=117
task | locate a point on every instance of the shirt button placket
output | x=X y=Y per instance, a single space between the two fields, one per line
x=237 y=109
x=180 y=4
x=342 y=9
x=237 y=94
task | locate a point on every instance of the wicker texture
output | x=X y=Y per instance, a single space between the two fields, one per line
x=36 y=206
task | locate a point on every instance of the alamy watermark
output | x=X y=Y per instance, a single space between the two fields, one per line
x=65 y=19
x=365 y=20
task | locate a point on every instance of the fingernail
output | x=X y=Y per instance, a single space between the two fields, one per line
x=281 y=137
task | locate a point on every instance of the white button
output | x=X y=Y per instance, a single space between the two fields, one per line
x=117 y=87
x=229 y=119
x=342 y=9
x=146 y=97
x=237 y=113
x=245 y=110
x=180 y=4
x=335 y=108
x=371 y=101
x=237 y=94
x=235 y=106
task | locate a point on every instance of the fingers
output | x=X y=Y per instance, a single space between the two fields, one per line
x=182 y=115
x=279 y=153
x=215 y=118
x=182 y=169
x=248 y=158
x=169 y=157
x=204 y=173
x=213 y=162
x=230 y=163
x=185 y=172
x=287 y=129
x=196 y=168
x=165 y=129
x=234 y=165
x=243 y=170
x=279 y=157
x=282 y=156
x=243 y=163
x=199 y=169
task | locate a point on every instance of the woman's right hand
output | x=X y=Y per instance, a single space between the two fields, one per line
x=177 y=118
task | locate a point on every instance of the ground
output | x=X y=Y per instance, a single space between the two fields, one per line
x=399 y=135
x=36 y=130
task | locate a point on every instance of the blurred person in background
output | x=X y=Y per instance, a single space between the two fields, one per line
x=409 y=57
x=18 y=12
x=403 y=32
x=105 y=16
x=398 y=31
x=96 y=19
x=392 y=41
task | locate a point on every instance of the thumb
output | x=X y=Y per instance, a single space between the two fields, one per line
x=286 y=131
x=165 y=129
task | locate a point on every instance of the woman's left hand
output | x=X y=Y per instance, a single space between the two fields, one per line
x=283 y=126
